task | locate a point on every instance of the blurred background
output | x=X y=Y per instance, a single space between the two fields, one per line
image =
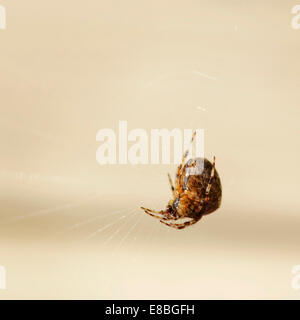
x=72 y=229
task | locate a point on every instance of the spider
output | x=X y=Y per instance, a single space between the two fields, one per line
x=194 y=196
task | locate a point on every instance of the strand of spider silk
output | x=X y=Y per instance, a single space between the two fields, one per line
x=126 y=235
x=119 y=229
x=94 y=218
x=163 y=229
x=86 y=221
x=138 y=219
x=98 y=217
x=160 y=229
x=22 y=176
x=103 y=228
x=109 y=225
x=124 y=225
x=147 y=233
x=55 y=209
x=154 y=237
x=119 y=244
x=154 y=228
x=166 y=234
x=128 y=221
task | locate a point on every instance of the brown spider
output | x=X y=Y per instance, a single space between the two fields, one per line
x=195 y=195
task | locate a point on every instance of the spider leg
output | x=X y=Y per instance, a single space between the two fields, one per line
x=180 y=167
x=152 y=211
x=181 y=225
x=210 y=180
x=157 y=217
x=162 y=214
x=177 y=181
x=171 y=185
x=186 y=153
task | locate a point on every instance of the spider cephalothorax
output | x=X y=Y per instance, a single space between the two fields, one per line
x=196 y=193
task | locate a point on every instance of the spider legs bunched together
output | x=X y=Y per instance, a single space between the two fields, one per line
x=181 y=225
x=161 y=215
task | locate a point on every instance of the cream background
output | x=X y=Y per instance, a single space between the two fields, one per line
x=68 y=69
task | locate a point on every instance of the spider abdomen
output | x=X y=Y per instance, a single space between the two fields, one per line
x=194 y=187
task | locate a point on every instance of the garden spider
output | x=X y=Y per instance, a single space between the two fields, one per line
x=194 y=195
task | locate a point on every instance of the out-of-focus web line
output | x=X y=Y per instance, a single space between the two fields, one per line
x=185 y=72
x=120 y=228
x=55 y=209
x=92 y=235
x=35 y=132
x=201 y=108
x=34 y=177
x=94 y=218
x=164 y=77
x=203 y=75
